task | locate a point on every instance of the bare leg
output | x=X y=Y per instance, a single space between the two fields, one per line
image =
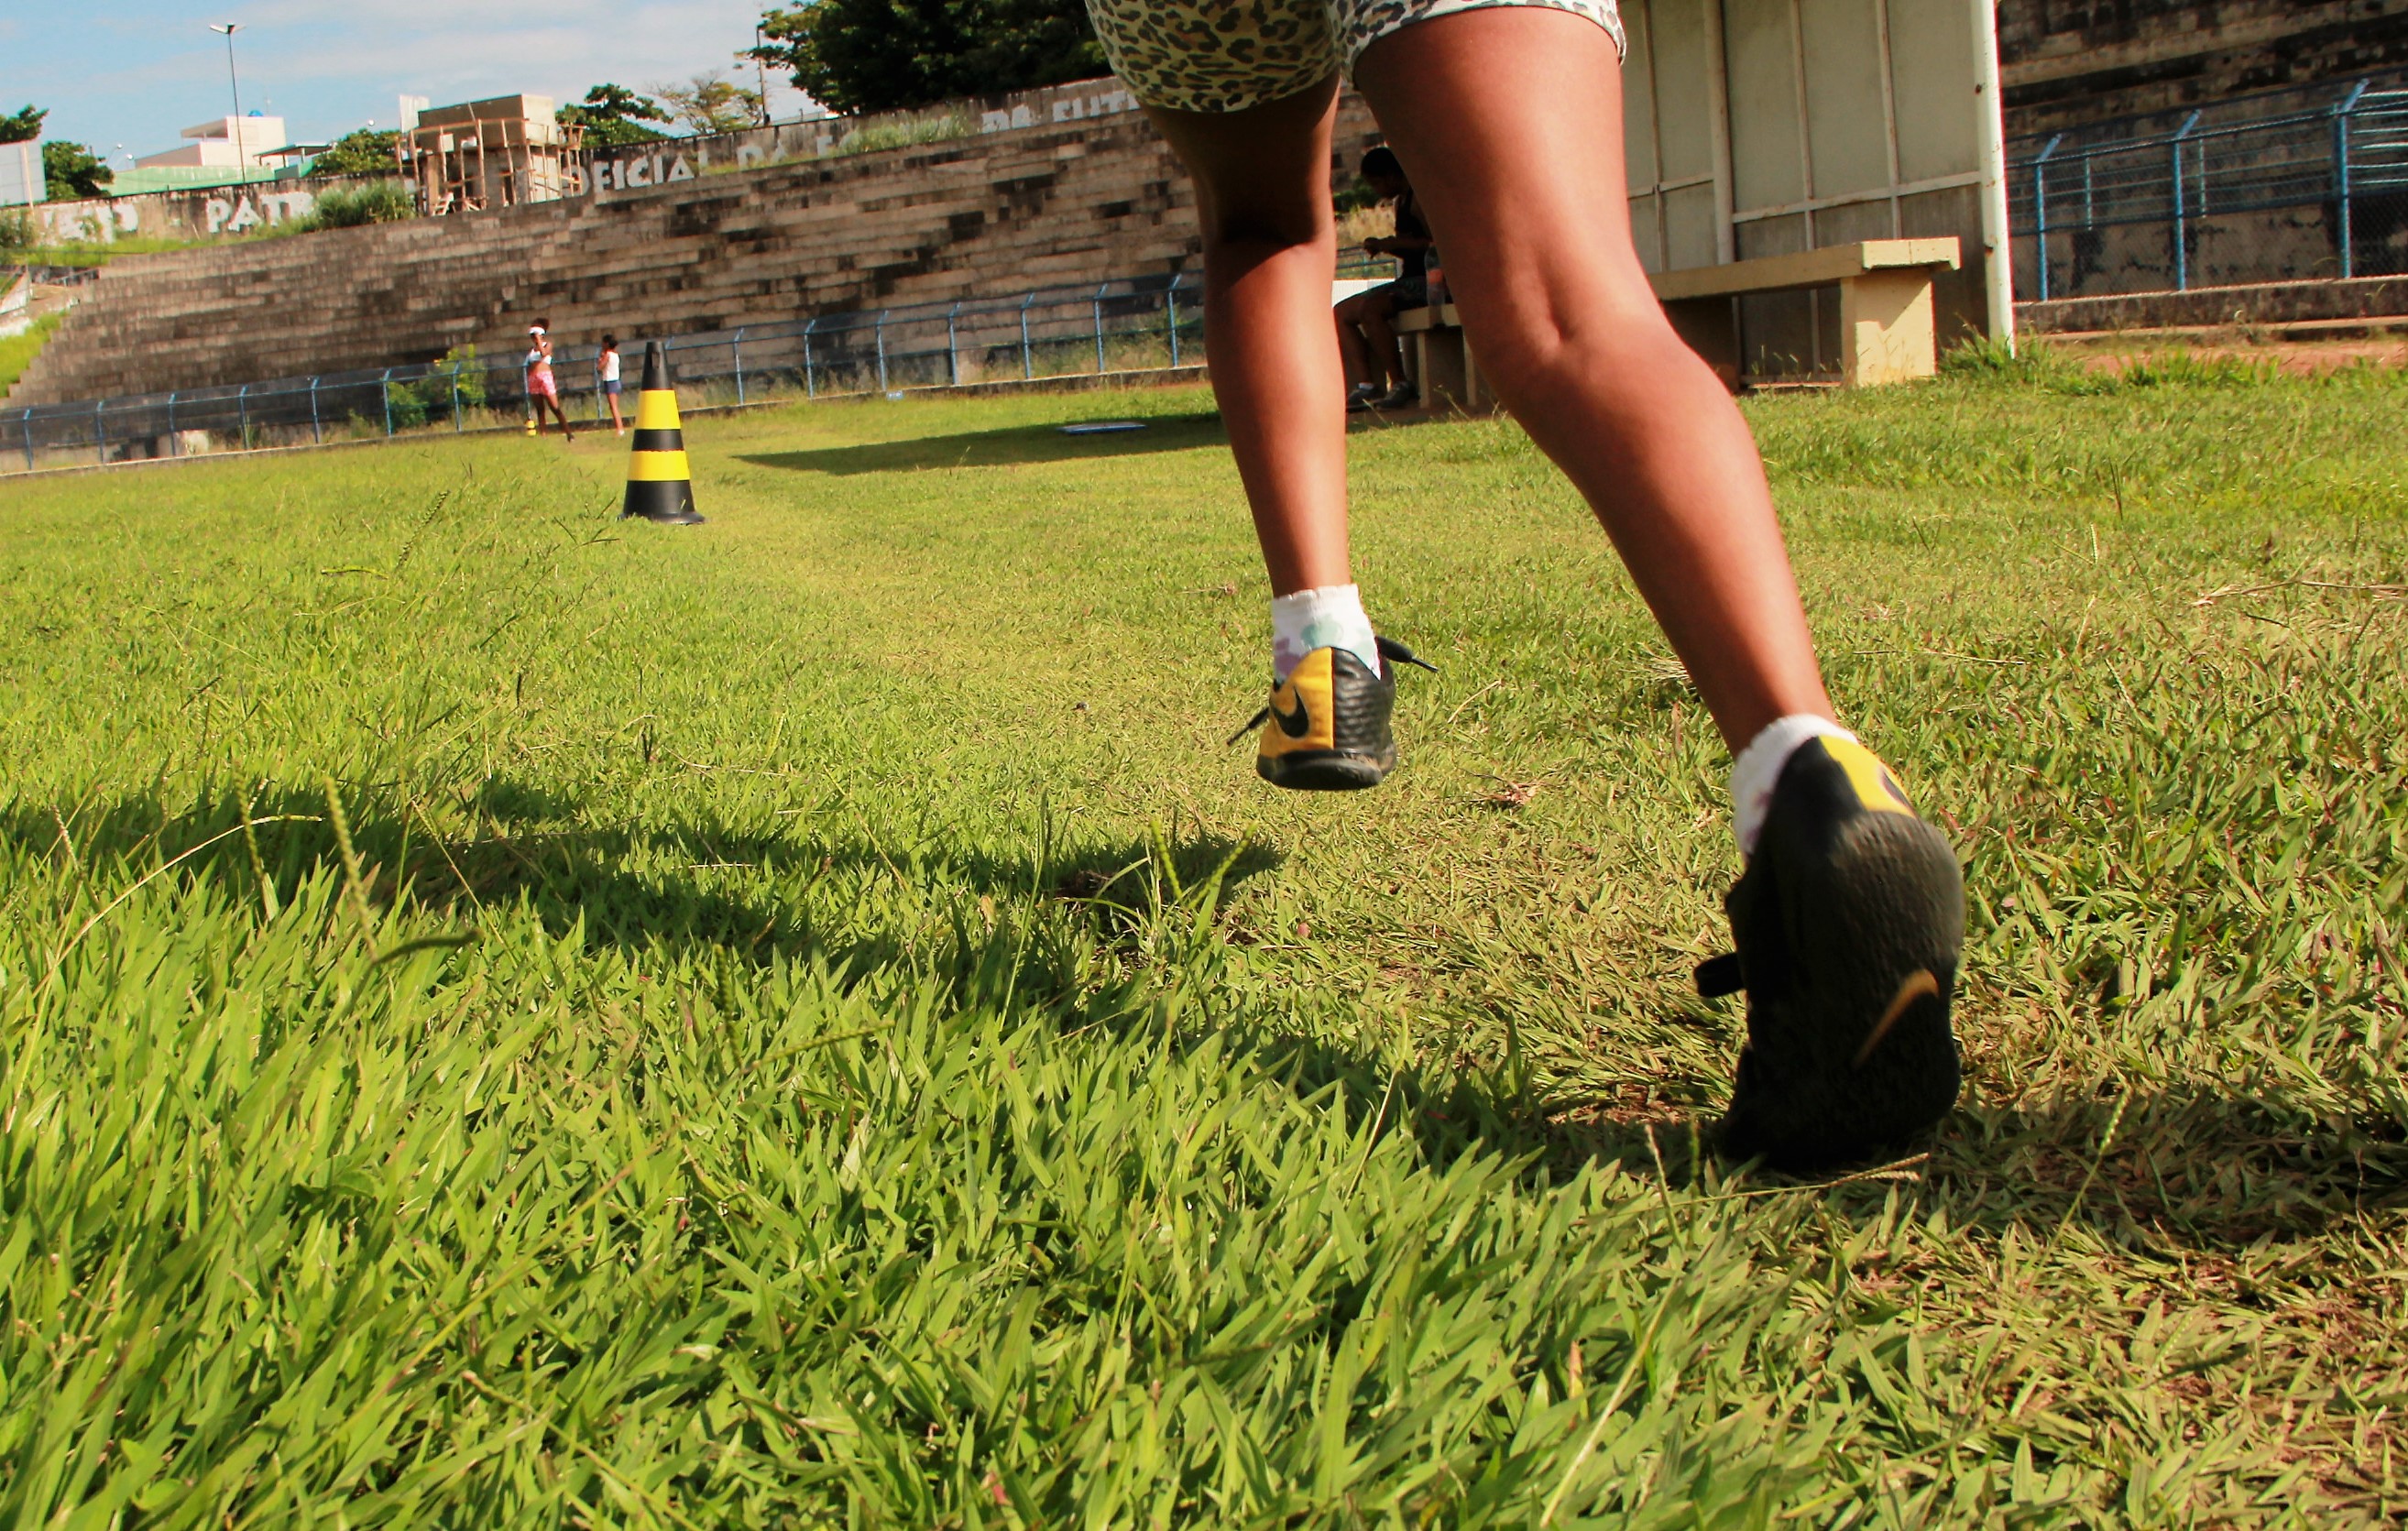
x=1270 y=252
x=618 y=424
x=1380 y=335
x=1509 y=123
x=1360 y=367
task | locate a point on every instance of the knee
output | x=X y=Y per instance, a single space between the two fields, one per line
x=1537 y=348
x=1265 y=225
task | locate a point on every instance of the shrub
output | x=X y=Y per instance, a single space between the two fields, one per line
x=405 y=404
x=430 y=395
x=462 y=361
x=348 y=207
x=904 y=135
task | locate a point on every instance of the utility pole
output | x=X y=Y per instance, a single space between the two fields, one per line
x=229 y=29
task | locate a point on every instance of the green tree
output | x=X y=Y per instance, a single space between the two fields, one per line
x=24 y=125
x=73 y=172
x=712 y=103
x=613 y=115
x=362 y=151
x=879 y=55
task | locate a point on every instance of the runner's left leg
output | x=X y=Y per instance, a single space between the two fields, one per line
x=1270 y=253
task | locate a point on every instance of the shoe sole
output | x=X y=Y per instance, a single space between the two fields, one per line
x=1884 y=1068
x=1323 y=770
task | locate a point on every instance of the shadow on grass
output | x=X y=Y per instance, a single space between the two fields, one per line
x=2193 y=1168
x=989 y=448
x=2196 y=1169
x=637 y=886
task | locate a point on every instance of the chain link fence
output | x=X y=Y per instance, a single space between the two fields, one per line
x=1098 y=327
x=2320 y=191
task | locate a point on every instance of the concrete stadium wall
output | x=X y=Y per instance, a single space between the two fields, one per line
x=993 y=213
x=2331 y=303
x=232 y=211
x=2065 y=64
x=217 y=212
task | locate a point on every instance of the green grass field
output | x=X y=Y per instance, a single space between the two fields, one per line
x=513 y=1019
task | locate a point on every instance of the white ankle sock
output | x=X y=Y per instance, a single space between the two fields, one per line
x=1328 y=617
x=1759 y=768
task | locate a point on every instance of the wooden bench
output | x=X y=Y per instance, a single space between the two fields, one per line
x=1886 y=332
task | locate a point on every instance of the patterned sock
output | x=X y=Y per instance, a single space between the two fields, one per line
x=1758 y=768
x=1330 y=617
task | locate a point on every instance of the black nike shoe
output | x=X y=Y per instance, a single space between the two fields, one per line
x=1327 y=728
x=1848 y=921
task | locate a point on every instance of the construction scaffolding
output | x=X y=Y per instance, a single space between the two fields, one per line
x=494 y=154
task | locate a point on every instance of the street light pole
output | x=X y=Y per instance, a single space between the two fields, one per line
x=229 y=29
x=761 y=71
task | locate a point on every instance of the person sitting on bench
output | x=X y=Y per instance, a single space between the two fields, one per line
x=1375 y=362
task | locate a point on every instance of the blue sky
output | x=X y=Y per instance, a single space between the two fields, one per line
x=138 y=72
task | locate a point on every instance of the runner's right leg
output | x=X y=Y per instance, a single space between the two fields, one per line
x=1850 y=914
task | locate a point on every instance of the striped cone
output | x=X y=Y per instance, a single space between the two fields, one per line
x=660 y=486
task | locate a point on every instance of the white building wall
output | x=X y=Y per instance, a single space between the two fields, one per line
x=214 y=145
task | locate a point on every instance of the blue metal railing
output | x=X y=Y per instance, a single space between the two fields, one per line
x=2134 y=214
x=1095 y=327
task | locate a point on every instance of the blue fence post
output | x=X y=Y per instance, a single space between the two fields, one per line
x=1099 y=324
x=29 y=440
x=810 y=387
x=317 y=435
x=242 y=416
x=99 y=431
x=1027 y=364
x=880 y=337
x=2040 y=210
x=2182 y=220
x=2345 y=233
x=953 y=354
x=384 y=391
x=735 y=348
x=174 y=447
x=1171 y=317
x=455 y=398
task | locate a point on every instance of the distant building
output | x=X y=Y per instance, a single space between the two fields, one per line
x=222 y=151
x=225 y=143
x=493 y=153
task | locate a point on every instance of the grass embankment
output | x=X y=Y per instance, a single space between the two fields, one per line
x=17 y=351
x=513 y=1019
x=102 y=251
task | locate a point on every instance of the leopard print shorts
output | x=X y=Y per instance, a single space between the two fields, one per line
x=1226 y=55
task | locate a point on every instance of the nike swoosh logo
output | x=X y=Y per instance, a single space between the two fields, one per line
x=1294 y=724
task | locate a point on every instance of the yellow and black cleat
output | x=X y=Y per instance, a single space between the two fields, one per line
x=1327 y=728
x=1848 y=921
x=660 y=485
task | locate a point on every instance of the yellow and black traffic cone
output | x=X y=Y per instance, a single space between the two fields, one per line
x=660 y=486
